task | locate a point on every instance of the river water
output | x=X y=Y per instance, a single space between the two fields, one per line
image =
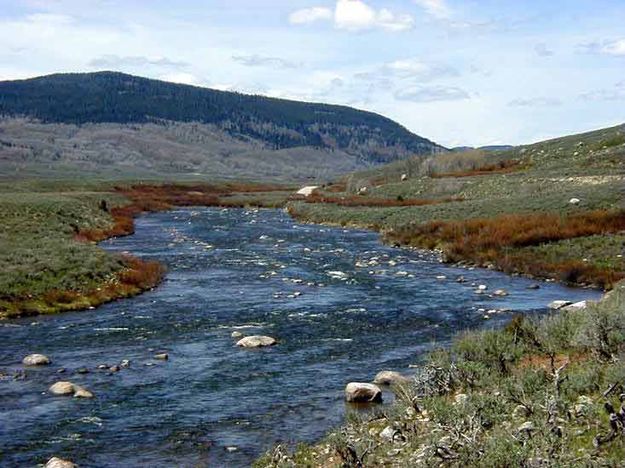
x=342 y=305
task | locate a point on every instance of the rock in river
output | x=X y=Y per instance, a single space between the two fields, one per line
x=36 y=360
x=555 y=305
x=256 y=341
x=576 y=306
x=161 y=356
x=68 y=388
x=56 y=462
x=82 y=392
x=360 y=392
x=390 y=378
x=236 y=334
x=62 y=388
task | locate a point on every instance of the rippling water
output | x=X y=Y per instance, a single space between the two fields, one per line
x=342 y=305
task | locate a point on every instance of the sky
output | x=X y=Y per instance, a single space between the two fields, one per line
x=459 y=72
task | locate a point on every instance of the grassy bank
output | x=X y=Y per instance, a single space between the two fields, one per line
x=551 y=210
x=49 y=261
x=541 y=392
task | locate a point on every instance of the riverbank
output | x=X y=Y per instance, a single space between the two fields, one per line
x=541 y=392
x=50 y=261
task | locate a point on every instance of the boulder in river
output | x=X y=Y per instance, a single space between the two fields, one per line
x=68 y=388
x=161 y=356
x=82 y=392
x=237 y=334
x=533 y=286
x=361 y=392
x=390 y=378
x=62 y=388
x=56 y=462
x=256 y=341
x=555 y=305
x=36 y=360
x=500 y=292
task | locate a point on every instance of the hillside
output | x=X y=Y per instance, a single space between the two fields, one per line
x=532 y=207
x=112 y=122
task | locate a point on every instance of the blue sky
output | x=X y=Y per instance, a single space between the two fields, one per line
x=460 y=72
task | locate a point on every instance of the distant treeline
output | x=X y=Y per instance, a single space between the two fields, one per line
x=120 y=98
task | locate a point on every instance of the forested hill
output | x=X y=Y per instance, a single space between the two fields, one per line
x=111 y=97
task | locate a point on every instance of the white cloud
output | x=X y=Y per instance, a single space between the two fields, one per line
x=115 y=61
x=263 y=61
x=310 y=15
x=354 y=15
x=415 y=68
x=431 y=94
x=182 y=78
x=542 y=50
x=390 y=21
x=615 y=47
x=436 y=8
x=615 y=93
x=535 y=102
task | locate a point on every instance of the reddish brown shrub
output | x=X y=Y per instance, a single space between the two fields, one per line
x=501 y=167
x=490 y=241
x=356 y=200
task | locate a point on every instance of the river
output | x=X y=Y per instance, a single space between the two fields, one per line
x=342 y=305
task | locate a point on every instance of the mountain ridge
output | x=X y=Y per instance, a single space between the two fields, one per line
x=114 y=97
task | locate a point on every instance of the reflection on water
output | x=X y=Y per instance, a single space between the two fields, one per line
x=342 y=306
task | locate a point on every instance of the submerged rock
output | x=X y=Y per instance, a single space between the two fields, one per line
x=56 y=462
x=533 y=286
x=256 y=341
x=500 y=292
x=36 y=360
x=360 y=392
x=390 y=378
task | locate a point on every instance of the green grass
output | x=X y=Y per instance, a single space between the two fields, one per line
x=468 y=405
x=37 y=253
